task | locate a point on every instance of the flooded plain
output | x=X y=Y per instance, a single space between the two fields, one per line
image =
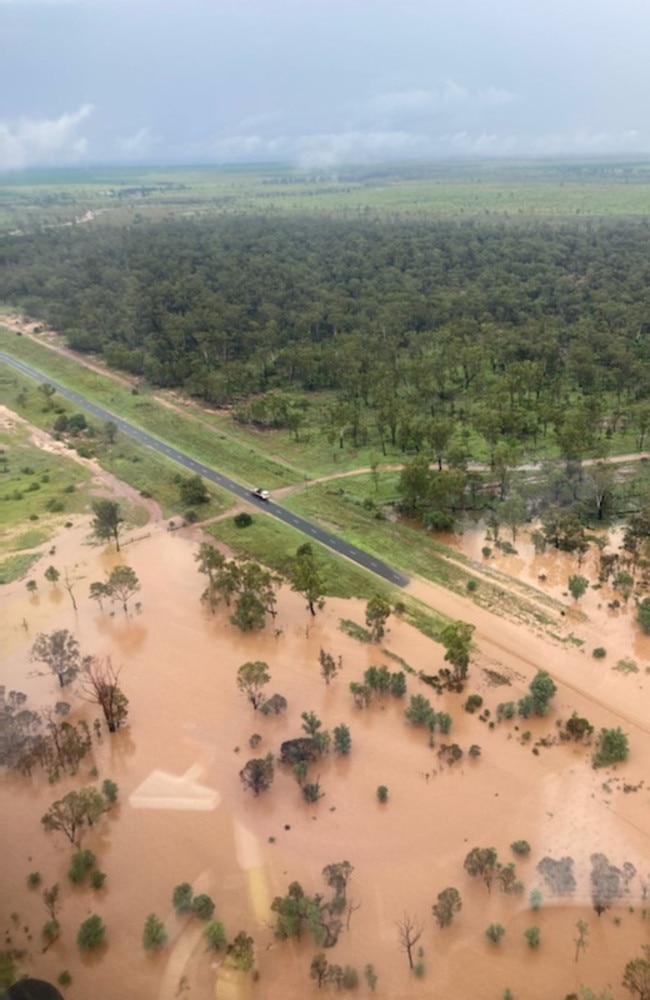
x=184 y=816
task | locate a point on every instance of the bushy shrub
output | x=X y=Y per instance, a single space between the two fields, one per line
x=182 y=898
x=215 y=935
x=80 y=864
x=202 y=906
x=91 y=933
x=154 y=935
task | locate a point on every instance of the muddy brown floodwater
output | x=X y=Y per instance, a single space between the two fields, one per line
x=183 y=814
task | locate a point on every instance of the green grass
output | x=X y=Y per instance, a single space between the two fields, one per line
x=18 y=566
x=275 y=545
x=499 y=189
x=32 y=483
x=354 y=630
x=195 y=436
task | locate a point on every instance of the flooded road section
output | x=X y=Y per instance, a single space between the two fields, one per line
x=184 y=816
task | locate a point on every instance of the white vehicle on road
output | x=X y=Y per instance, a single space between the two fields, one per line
x=260 y=494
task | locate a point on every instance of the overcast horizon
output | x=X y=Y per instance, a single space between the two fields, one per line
x=317 y=83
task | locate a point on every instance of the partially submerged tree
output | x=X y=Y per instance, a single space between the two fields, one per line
x=448 y=905
x=99 y=684
x=122 y=584
x=106 y=521
x=329 y=668
x=636 y=977
x=241 y=952
x=257 y=774
x=242 y=582
x=154 y=935
x=74 y=812
x=60 y=651
x=409 y=932
x=377 y=614
x=252 y=678
x=606 y=881
x=481 y=862
x=306 y=578
x=457 y=640
x=580 y=941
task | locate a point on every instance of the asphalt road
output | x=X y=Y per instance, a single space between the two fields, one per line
x=312 y=531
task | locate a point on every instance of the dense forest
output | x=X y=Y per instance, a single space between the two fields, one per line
x=418 y=328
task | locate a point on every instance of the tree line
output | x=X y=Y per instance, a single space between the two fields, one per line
x=417 y=327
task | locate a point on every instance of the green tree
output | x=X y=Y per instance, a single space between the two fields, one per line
x=106 y=522
x=110 y=431
x=512 y=512
x=329 y=668
x=581 y=940
x=494 y=933
x=241 y=952
x=448 y=905
x=420 y=711
x=60 y=651
x=532 y=935
x=154 y=935
x=377 y=614
x=342 y=739
x=613 y=747
x=122 y=584
x=257 y=774
x=182 y=897
x=306 y=578
x=578 y=585
x=636 y=977
x=91 y=933
x=215 y=935
x=337 y=875
x=643 y=615
x=76 y=810
x=252 y=677
x=98 y=591
x=318 y=969
x=193 y=491
x=542 y=690
x=481 y=862
x=47 y=391
x=457 y=640
x=202 y=906
x=52 y=574
x=370 y=975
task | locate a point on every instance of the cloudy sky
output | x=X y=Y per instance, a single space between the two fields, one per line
x=320 y=82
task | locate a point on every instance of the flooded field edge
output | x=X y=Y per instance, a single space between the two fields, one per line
x=184 y=816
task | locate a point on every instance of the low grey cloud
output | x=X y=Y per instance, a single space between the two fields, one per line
x=317 y=81
x=29 y=142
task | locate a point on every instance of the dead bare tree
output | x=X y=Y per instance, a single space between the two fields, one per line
x=410 y=931
x=68 y=584
x=99 y=684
